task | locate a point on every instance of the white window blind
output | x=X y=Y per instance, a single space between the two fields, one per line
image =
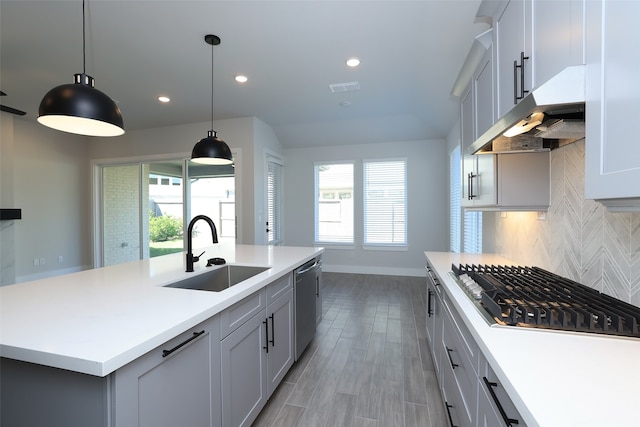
x=334 y=203
x=385 y=202
x=454 y=200
x=472 y=232
x=274 y=201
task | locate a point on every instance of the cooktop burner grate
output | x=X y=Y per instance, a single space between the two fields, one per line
x=533 y=297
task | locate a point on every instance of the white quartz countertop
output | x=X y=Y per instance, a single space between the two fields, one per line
x=554 y=378
x=96 y=321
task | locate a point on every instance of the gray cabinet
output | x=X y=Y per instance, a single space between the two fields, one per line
x=434 y=316
x=280 y=313
x=459 y=361
x=488 y=415
x=243 y=366
x=175 y=384
x=36 y=395
x=612 y=161
x=495 y=408
x=471 y=392
x=256 y=350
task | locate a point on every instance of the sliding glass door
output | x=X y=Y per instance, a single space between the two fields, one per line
x=212 y=193
x=121 y=214
x=142 y=210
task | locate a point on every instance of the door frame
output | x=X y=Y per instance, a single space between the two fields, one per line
x=97 y=218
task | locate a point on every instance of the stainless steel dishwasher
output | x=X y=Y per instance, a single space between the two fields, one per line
x=305 y=293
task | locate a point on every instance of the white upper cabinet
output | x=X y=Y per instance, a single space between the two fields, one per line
x=612 y=155
x=534 y=40
x=512 y=37
x=478 y=172
x=558 y=37
x=496 y=182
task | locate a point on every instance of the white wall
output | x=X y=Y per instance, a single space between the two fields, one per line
x=7 y=228
x=428 y=228
x=52 y=186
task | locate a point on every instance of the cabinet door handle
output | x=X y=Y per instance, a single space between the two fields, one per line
x=470 y=177
x=273 y=332
x=517 y=97
x=195 y=335
x=429 y=310
x=318 y=286
x=490 y=385
x=446 y=405
x=266 y=335
x=453 y=365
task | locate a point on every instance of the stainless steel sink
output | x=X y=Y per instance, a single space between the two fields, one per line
x=219 y=279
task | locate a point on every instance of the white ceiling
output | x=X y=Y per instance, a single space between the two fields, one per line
x=411 y=53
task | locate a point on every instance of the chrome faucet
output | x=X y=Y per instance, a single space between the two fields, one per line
x=190 y=258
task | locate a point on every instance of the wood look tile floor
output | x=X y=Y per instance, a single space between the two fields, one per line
x=368 y=365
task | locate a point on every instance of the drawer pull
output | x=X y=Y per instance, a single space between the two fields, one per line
x=195 y=335
x=453 y=365
x=490 y=385
x=446 y=405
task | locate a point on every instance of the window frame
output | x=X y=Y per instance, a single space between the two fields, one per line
x=316 y=205
x=386 y=246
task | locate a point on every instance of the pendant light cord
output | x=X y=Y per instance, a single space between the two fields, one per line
x=84 y=42
x=212 y=86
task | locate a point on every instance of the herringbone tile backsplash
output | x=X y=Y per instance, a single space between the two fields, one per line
x=579 y=239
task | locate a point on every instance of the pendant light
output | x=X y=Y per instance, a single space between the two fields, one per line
x=212 y=150
x=79 y=107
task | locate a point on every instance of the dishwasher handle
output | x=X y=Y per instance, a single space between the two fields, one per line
x=311 y=267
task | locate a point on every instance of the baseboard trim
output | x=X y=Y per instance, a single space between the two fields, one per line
x=364 y=269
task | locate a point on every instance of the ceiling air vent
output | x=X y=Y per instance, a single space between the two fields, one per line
x=344 y=87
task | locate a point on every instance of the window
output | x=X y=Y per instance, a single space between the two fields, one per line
x=472 y=232
x=385 y=202
x=465 y=231
x=333 y=203
x=274 y=204
x=454 y=200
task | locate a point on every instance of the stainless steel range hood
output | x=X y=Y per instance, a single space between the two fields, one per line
x=561 y=99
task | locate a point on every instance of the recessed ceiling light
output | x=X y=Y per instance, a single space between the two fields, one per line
x=353 y=62
x=164 y=99
x=241 y=79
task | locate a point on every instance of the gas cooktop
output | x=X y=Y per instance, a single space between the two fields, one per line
x=533 y=297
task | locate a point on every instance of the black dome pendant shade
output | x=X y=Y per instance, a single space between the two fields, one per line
x=212 y=150
x=79 y=107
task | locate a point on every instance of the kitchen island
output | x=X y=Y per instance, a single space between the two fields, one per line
x=94 y=323
x=553 y=378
